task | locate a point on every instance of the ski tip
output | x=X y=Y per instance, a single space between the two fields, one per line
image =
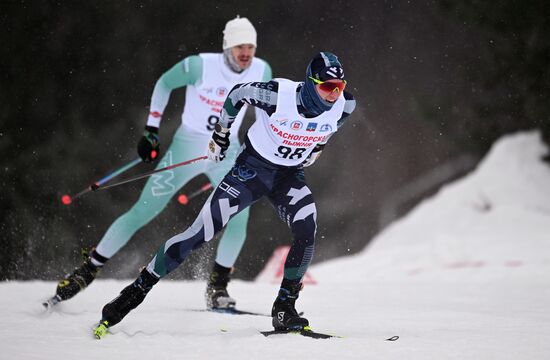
x=101 y=330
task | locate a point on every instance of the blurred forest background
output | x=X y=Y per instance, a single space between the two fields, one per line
x=436 y=83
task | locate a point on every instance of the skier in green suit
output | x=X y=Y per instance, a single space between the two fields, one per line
x=208 y=77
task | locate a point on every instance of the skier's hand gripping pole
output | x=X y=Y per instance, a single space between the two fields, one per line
x=218 y=145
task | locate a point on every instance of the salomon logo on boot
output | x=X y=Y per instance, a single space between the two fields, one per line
x=284 y=314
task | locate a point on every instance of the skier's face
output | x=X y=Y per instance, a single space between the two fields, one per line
x=243 y=55
x=331 y=90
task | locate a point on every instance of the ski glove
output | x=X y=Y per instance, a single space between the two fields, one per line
x=218 y=144
x=314 y=155
x=149 y=145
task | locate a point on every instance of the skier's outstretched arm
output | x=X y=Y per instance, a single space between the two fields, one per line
x=186 y=72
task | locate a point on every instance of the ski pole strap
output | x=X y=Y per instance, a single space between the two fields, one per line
x=147 y=174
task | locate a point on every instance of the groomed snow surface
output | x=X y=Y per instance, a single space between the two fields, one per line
x=465 y=275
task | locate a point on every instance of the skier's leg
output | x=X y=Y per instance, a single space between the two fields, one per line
x=228 y=250
x=230 y=244
x=294 y=202
x=156 y=194
x=158 y=190
x=230 y=197
x=232 y=240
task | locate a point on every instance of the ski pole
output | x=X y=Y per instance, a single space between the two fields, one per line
x=147 y=174
x=184 y=199
x=67 y=199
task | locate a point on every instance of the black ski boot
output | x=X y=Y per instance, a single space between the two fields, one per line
x=81 y=277
x=216 y=294
x=130 y=297
x=284 y=314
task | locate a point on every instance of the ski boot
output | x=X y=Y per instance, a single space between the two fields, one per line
x=216 y=294
x=130 y=297
x=284 y=314
x=81 y=277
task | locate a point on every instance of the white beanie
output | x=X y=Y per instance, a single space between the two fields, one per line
x=237 y=32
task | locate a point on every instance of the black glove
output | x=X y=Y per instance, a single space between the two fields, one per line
x=218 y=144
x=149 y=145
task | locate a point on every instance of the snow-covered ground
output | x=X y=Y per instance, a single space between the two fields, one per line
x=465 y=275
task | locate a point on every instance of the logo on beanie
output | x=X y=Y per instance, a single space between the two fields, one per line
x=334 y=71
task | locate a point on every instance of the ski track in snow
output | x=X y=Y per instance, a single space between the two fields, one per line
x=452 y=279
